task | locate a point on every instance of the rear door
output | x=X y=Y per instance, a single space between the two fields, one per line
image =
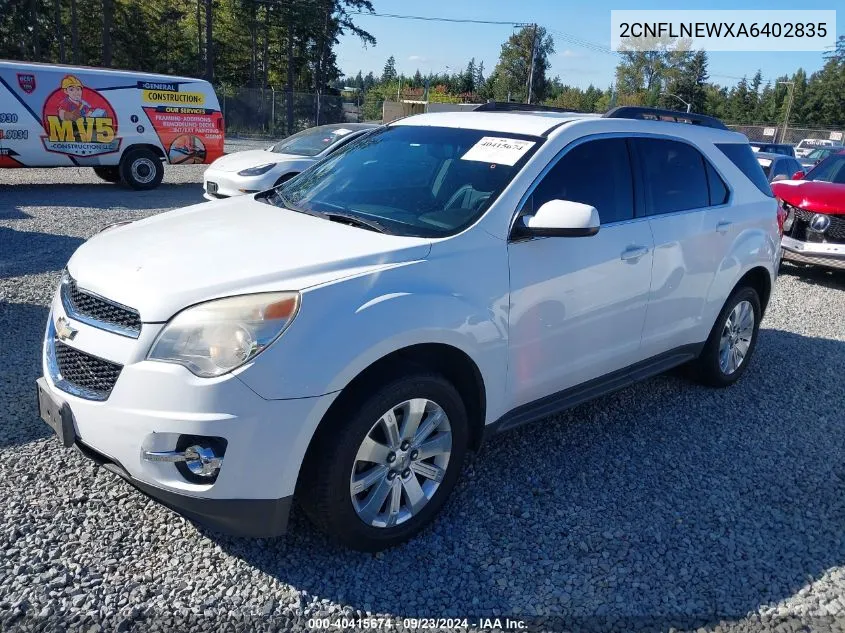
x=685 y=200
x=578 y=304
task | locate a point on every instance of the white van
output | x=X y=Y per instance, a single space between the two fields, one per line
x=123 y=124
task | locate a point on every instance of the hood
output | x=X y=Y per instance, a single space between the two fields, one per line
x=252 y=158
x=812 y=195
x=164 y=263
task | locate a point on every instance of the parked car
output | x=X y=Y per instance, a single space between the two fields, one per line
x=814 y=228
x=778 y=166
x=809 y=144
x=125 y=125
x=260 y=169
x=773 y=148
x=816 y=156
x=347 y=337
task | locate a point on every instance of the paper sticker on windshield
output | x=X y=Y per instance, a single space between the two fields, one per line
x=341 y=131
x=764 y=162
x=502 y=151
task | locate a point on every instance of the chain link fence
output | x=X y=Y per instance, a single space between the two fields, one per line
x=774 y=133
x=274 y=114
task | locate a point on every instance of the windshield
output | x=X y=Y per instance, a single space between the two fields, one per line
x=818 y=154
x=831 y=169
x=312 y=141
x=413 y=180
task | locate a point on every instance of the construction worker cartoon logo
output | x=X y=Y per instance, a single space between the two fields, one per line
x=79 y=121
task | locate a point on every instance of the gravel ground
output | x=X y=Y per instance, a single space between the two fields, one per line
x=664 y=504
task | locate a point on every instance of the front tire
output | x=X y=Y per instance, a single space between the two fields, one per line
x=375 y=479
x=109 y=174
x=732 y=341
x=141 y=169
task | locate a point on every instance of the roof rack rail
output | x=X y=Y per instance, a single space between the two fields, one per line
x=657 y=114
x=511 y=106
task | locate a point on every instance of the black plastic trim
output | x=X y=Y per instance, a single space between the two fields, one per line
x=254 y=518
x=592 y=389
x=668 y=116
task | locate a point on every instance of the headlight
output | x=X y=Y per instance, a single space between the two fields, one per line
x=215 y=337
x=257 y=171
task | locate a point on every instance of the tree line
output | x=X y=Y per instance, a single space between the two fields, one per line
x=667 y=78
x=290 y=45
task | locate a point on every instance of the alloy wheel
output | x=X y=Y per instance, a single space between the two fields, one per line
x=736 y=337
x=400 y=463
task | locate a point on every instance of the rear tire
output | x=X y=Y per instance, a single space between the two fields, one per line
x=109 y=174
x=141 y=169
x=412 y=471
x=732 y=341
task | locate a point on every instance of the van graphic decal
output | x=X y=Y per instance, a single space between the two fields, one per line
x=188 y=135
x=27 y=82
x=79 y=121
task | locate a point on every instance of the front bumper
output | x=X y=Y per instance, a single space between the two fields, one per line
x=255 y=518
x=153 y=406
x=816 y=253
x=230 y=184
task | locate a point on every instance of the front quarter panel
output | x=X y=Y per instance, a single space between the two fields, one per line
x=457 y=297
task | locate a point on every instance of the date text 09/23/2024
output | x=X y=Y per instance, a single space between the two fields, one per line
x=375 y=623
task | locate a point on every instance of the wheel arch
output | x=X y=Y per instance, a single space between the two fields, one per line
x=760 y=280
x=155 y=149
x=453 y=363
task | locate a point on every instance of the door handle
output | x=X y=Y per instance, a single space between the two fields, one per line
x=633 y=253
x=723 y=226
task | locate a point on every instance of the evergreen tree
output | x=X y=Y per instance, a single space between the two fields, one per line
x=389 y=72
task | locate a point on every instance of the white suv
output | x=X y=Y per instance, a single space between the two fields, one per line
x=347 y=337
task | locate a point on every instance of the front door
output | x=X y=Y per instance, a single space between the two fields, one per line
x=578 y=304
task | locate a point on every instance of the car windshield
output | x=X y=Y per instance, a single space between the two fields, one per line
x=831 y=169
x=312 y=141
x=818 y=154
x=412 y=180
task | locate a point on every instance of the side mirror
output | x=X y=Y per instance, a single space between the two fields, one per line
x=798 y=175
x=563 y=218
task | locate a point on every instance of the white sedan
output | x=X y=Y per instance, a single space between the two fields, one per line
x=260 y=169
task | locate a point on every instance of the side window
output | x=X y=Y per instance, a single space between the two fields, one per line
x=718 y=189
x=597 y=173
x=741 y=155
x=674 y=176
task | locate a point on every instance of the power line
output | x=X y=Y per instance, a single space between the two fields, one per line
x=438 y=19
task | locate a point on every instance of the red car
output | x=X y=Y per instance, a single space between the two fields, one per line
x=813 y=213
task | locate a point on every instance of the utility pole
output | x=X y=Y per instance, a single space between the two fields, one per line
x=791 y=85
x=531 y=69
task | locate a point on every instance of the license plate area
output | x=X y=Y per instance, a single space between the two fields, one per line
x=57 y=415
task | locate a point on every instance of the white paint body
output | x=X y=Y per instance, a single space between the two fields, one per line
x=535 y=316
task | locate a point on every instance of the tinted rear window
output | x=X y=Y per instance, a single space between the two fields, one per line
x=741 y=155
x=674 y=176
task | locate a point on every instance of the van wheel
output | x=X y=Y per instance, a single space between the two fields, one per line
x=109 y=174
x=380 y=472
x=731 y=343
x=141 y=169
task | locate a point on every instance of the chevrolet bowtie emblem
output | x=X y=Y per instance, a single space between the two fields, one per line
x=64 y=332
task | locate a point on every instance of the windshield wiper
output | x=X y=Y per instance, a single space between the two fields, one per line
x=355 y=220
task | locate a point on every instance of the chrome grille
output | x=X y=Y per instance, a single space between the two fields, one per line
x=97 y=311
x=86 y=372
